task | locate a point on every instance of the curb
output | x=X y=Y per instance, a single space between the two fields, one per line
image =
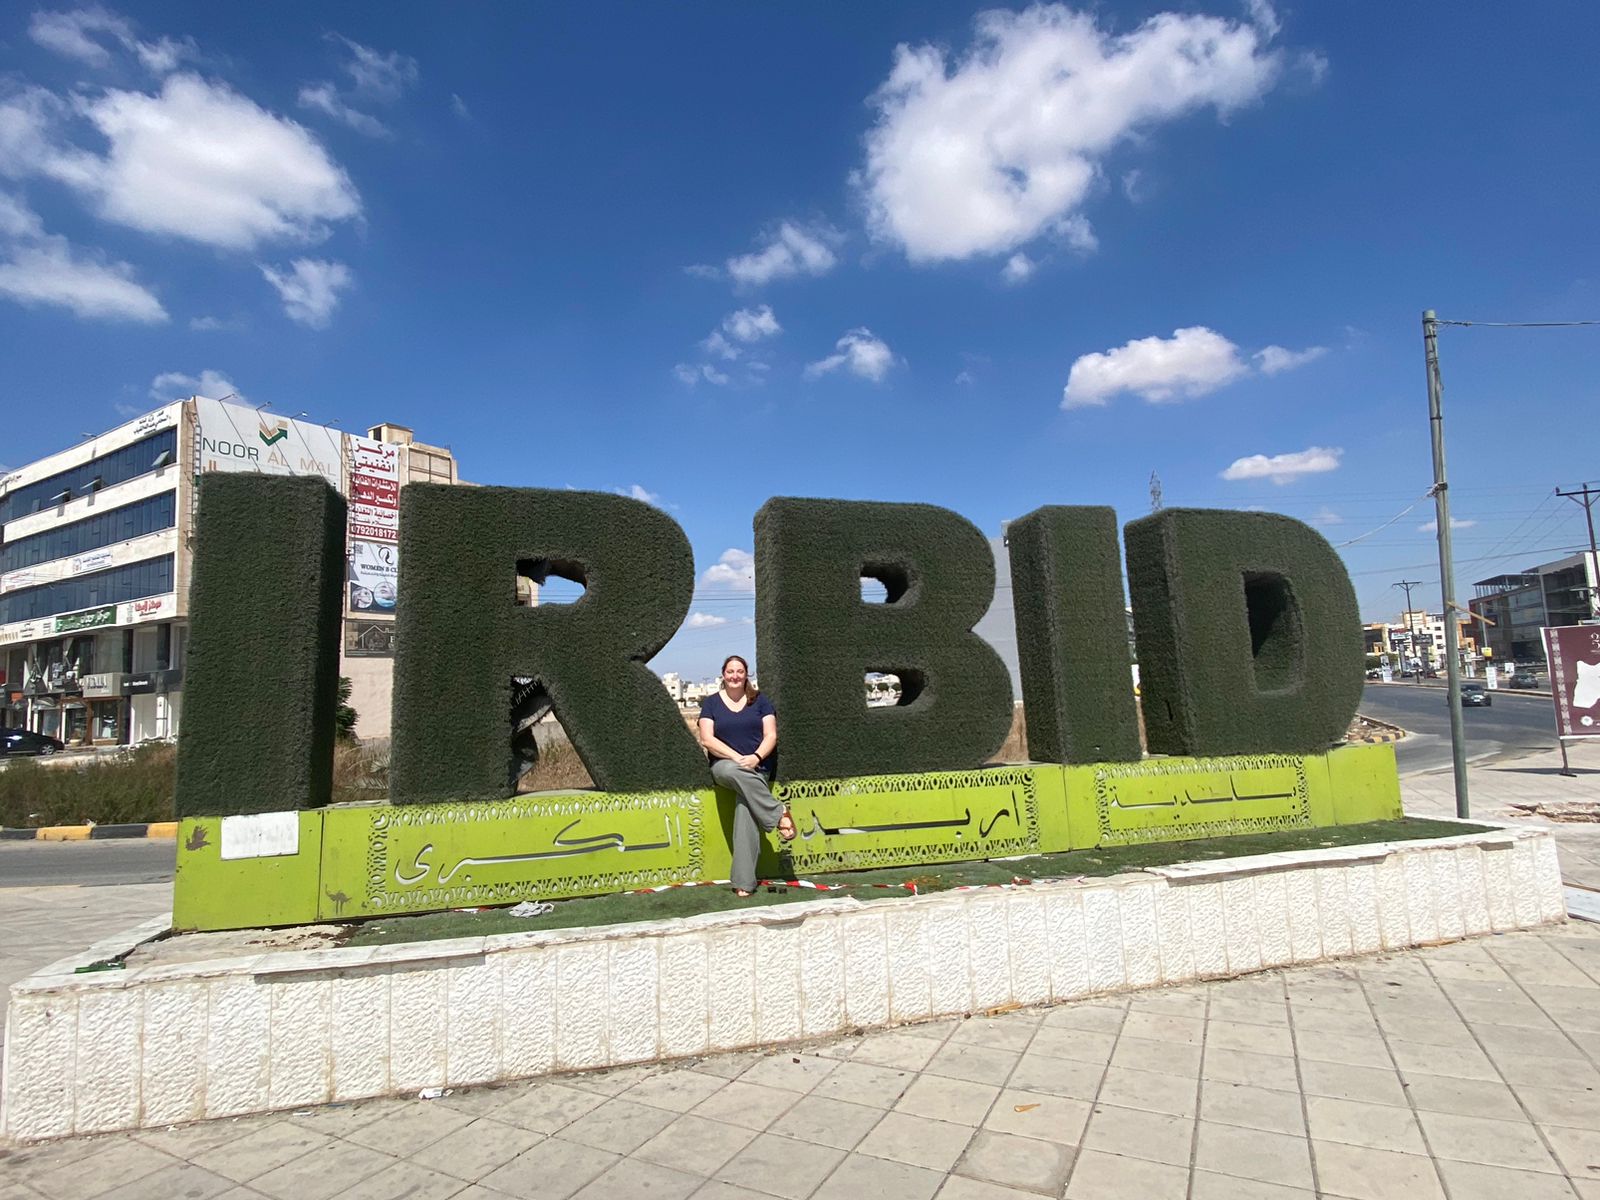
x=1388 y=732
x=165 y=830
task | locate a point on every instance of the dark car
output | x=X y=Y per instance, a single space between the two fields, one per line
x=1524 y=681
x=22 y=741
x=1474 y=696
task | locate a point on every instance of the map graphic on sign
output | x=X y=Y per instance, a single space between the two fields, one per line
x=1573 y=652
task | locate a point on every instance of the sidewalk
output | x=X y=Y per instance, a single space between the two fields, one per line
x=1470 y=1070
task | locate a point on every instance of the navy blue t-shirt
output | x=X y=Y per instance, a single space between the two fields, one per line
x=739 y=731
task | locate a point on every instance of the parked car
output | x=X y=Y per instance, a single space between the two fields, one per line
x=1524 y=681
x=23 y=741
x=1473 y=695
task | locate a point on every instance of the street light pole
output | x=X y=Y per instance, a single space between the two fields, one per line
x=1411 y=624
x=1447 y=583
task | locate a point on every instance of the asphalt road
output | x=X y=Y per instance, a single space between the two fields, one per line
x=1515 y=723
x=92 y=864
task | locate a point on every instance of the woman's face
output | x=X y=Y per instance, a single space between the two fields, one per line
x=733 y=675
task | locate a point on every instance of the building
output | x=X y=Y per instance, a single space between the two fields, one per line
x=1563 y=592
x=96 y=548
x=1416 y=642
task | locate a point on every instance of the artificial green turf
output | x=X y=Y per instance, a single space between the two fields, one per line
x=623 y=907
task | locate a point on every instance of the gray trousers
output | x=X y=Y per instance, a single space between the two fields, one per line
x=754 y=810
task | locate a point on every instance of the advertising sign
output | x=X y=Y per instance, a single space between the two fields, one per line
x=1491 y=676
x=1573 y=652
x=374 y=571
x=238 y=439
x=147 y=608
x=95 y=560
x=374 y=490
x=91 y=618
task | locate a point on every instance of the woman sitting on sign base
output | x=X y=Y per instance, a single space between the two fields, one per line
x=739 y=730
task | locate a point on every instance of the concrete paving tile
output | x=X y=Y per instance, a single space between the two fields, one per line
x=1513 y=1144
x=241 y=1159
x=1343 y=1048
x=330 y=1171
x=1016 y=1162
x=552 y=1170
x=1168 y=1058
x=1357 y=1123
x=828 y=1122
x=1260 y=1070
x=1098 y=1176
x=630 y=1179
x=902 y=1051
x=1279 y=1158
x=1443 y=1060
x=959 y=1187
x=1148 y=1090
x=1515 y=1041
x=1134 y=1134
x=1503 y=1012
x=956 y=1100
x=1057 y=1076
x=618 y=1126
x=979 y=1064
x=1079 y=1045
x=729 y=1066
x=676 y=1090
x=612 y=1082
x=1165 y=1027
x=859 y=1175
x=1558 y=1106
x=408 y=1128
x=336 y=1120
x=1474 y=1181
x=940 y=1029
x=1010 y=1031
x=780 y=1166
x=863 y=1083
x=1247 y=1012
x=1360 y=1173
x=107 y=1164
x=1181 y=1002
x=1428 y=1032
x=475 y=1150
x=549 y=1107
x=180 y=1179
x=1578 y=1150
x=1252 y=1107
x=403 y=1181
x=1259 y=1039
x=917 y=1140
x=481 y=1101
x=1208 y=1185
x=717 y=1190
x=746 y=1104
x=1466 y=1097
x=1103 y=1016
x=1568 y=1073
x=791 y=1072
x=1351 y=1022
x=695 y=1144
x=188 y=1141
x=1037 y=1115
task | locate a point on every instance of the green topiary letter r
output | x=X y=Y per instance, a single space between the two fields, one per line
x=462 y=638
x=816 y=638
x=1248 y=633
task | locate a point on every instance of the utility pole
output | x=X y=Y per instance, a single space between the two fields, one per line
x=1411 y=624
x=1447 y=571
x=1586 y=496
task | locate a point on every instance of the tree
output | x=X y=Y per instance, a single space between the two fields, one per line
x=345 y=718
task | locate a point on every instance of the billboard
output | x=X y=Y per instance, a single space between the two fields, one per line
x=374 y=492
x=238 y=439
x=1573 y=652
x=374 y=571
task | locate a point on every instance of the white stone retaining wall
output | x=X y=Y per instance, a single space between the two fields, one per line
x=158 y=1045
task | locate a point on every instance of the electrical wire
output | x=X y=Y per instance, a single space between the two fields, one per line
x=1518 y=324
x=1386 y=524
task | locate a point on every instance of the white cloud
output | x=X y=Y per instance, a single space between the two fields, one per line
x=324 y=98
x=719 y=346
x=1455 y=523
x=752 y=324
x=792 y=250
x=210 y=324
x=41 y=268
x=80 y=34
x=376 y=74
x=310 y=289
x=693 y=373
x=1275 y=359
x=735 y=571
x=1134 y=186
x=1191 y=362
x=165 y=171
x=459 y=107
x=1018 y=268
x=638 y=492
x=1326 y=516
x=983 y=154
x=176 y=385
x=859 y=352
x=1285 y=468
x=700 y=620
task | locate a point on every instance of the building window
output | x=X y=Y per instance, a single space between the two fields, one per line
x=119 y=466
x=153 y=577
x=142 y=517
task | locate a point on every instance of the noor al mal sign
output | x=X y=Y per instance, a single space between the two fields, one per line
x=1249 y=646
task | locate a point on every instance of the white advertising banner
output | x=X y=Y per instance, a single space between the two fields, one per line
x=150 y=608
x=239 y=439
x=374 y=492
x=374 y=572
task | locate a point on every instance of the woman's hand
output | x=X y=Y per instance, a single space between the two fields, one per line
x=749 y=761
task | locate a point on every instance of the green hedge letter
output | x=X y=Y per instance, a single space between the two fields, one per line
x=1248 y=633
x=261 y=684
x=461 y=638
x=1072 y=636
x=816 y=638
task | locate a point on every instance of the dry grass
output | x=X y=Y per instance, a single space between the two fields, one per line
x=558 y=769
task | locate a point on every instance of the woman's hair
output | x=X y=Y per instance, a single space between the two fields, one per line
x=749 y=687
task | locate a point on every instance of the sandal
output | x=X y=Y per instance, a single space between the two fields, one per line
x=786 y=829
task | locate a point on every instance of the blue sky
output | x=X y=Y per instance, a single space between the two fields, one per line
x=988 y=259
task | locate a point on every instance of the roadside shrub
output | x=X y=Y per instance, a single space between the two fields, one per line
x=132 y=787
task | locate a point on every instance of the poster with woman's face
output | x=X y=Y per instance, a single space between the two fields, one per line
x=374 y=572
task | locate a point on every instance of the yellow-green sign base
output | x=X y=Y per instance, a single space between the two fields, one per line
x=353 y=861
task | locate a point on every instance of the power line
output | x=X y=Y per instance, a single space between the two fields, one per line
x=1518 y=324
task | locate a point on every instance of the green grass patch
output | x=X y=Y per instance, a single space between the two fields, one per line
x=621 y=908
